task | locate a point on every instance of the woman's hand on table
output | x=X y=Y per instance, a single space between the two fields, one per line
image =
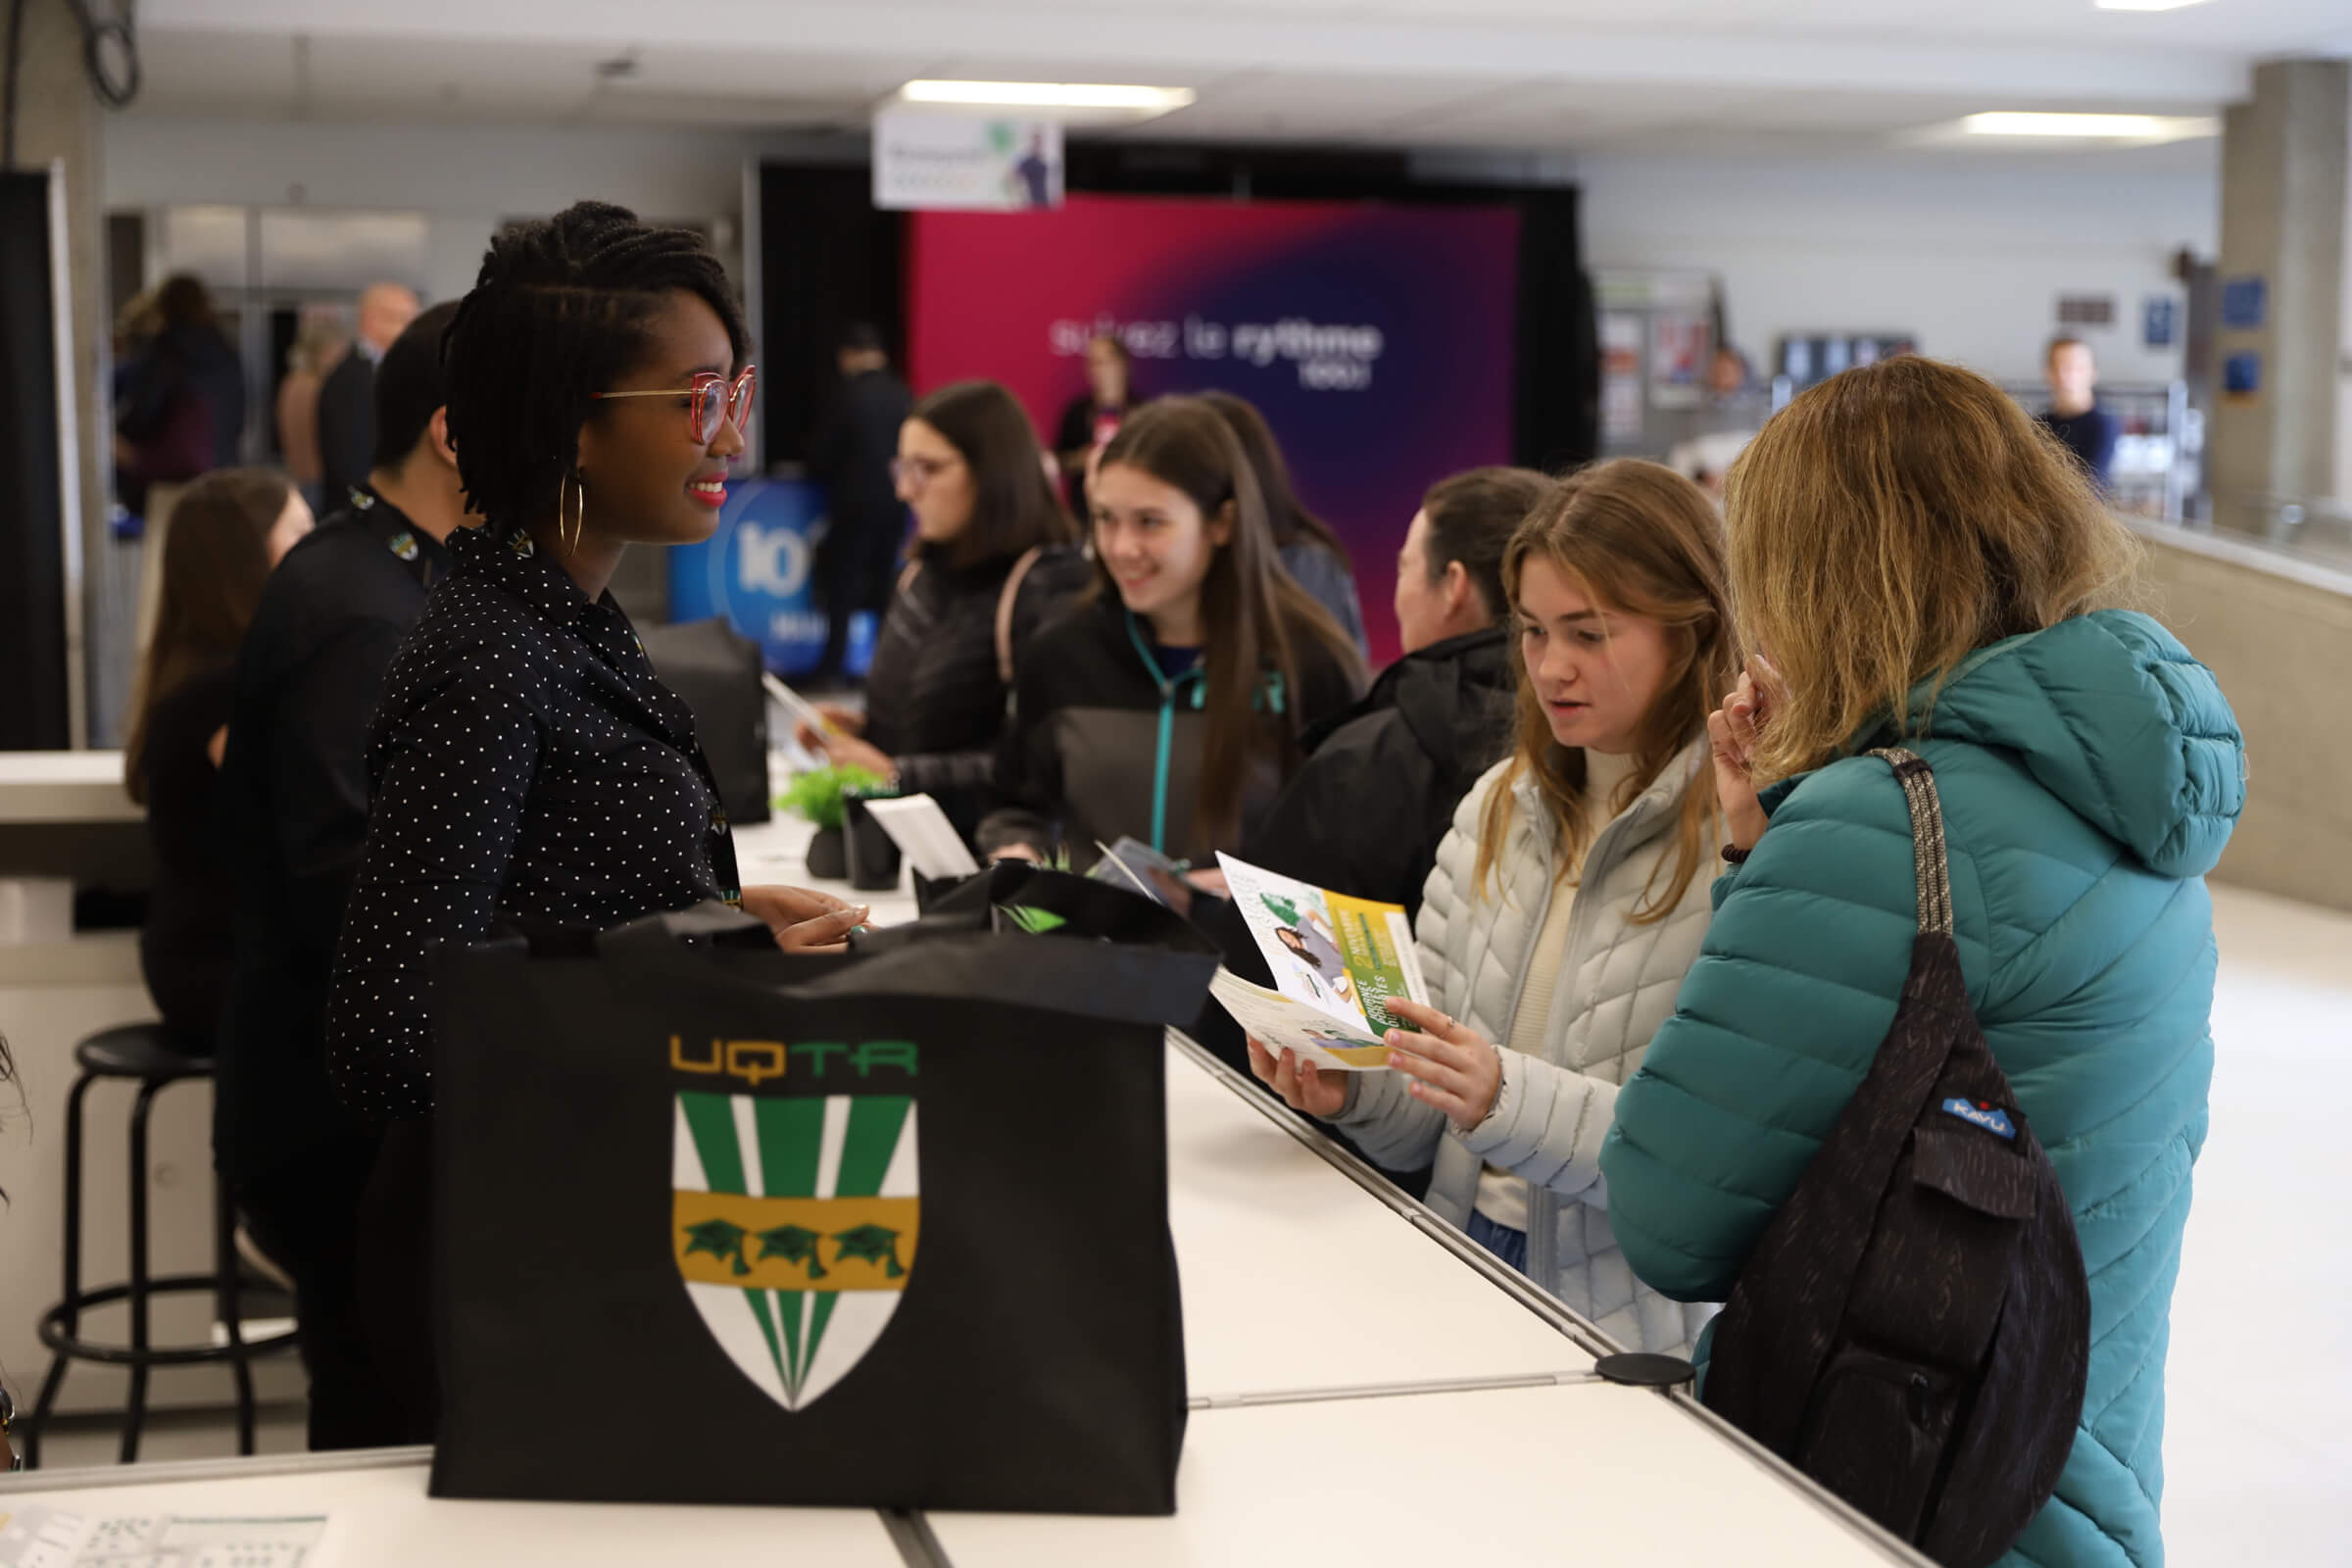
x=1301 y=1085
x=1450 y=1066
x=802 y=919
x=840 y=721
x=850 y=750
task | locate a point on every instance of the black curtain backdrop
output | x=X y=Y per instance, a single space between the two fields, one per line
x=33 y=710
x=829 y=258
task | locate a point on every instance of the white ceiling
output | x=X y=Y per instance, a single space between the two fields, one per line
x=1714 y=76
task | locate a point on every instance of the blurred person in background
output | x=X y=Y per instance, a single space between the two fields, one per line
x=229 y=529
x=347 y=397
x=1924 y=567
x=319 y=344
x=1168 y=704
x=866 y=521
x=2074 y=415
x=995 y=559
x=1092 y=418
x=1309 y=551
x=1567 y=903
x=293 y=819
x=1377 y=793
x=181 y=401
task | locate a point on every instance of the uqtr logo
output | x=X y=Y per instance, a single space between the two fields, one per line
x=795 y=1212
x=757 y=1061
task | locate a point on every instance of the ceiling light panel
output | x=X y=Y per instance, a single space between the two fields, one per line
x=2089 y=128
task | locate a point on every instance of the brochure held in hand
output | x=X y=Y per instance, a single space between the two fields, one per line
x=1337 y=960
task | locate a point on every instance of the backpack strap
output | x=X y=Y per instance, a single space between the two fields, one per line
x=1005 y=604
x=1931 y=856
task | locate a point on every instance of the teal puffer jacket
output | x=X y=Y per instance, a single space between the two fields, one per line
x=2091 y=774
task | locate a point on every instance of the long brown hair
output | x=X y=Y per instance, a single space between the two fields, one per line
x=1288 y=514
x=1643 y=540
x=1014 y=507
x=1889 y=521
x=1255 y=621
x=215 y=557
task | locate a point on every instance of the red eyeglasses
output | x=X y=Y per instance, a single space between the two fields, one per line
x=712 y=398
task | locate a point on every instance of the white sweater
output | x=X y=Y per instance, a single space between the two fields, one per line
x=1616 y=986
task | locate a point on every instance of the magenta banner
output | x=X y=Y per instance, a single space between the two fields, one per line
x=1376 y=339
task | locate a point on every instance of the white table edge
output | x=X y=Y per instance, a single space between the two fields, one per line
x=1524 y=1291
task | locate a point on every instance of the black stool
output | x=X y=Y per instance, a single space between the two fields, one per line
x=140 y=1053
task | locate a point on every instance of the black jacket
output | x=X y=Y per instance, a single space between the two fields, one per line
x=183 y=947
x=182 y=364
x=1377 y=794
x=1102 y=744
x=347 y=426
x=525 y=764
x=293 y=816
x=933 y=699
x=852 y=454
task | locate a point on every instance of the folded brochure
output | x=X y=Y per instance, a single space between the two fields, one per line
x=1336 y=959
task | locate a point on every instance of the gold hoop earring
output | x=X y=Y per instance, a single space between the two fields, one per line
x=579 y=514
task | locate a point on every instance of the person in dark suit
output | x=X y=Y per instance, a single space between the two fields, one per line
x=347 y=399
x=852 y=459
x=293 y=818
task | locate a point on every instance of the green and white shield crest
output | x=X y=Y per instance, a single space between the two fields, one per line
x=794 y=1221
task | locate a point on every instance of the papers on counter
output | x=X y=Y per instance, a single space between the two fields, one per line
x=52 y=1538
x=923 y=835
x=800 y=708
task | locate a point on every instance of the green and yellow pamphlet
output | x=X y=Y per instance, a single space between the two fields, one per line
x=1337 y=960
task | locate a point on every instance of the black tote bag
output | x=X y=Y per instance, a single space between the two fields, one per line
x=721 y=1224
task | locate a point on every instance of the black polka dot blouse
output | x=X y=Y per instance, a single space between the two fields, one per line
x=525 y=763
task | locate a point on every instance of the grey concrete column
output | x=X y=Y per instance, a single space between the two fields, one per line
x=57 y=123
x=2287 y=166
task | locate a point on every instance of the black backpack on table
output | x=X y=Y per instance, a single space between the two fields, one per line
x=1912 y=1329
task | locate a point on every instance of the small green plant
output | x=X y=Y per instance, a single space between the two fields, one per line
x=817 y=794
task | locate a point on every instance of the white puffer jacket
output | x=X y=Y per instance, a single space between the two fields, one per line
x=1553 y=1112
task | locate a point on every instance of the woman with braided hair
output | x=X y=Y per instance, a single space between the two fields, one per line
x=526 y=762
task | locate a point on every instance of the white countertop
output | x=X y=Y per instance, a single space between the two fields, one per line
x=1591 y=1473
x=64 y=787
x=381 y=1518
x=1297 y=1279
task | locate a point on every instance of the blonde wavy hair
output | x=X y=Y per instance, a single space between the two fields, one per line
x=1642 y=540
x=1888 y=522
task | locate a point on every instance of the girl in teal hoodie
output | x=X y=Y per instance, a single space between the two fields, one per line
x=1911 y=557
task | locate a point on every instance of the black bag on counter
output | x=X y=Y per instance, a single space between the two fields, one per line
x=716 y=671
x=717 y=1223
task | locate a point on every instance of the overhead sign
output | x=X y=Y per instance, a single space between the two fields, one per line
x=929 y=160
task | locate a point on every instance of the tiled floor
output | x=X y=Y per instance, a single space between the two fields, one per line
x=2259 y=1432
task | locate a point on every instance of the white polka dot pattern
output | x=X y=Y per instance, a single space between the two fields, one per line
x=526 y=762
